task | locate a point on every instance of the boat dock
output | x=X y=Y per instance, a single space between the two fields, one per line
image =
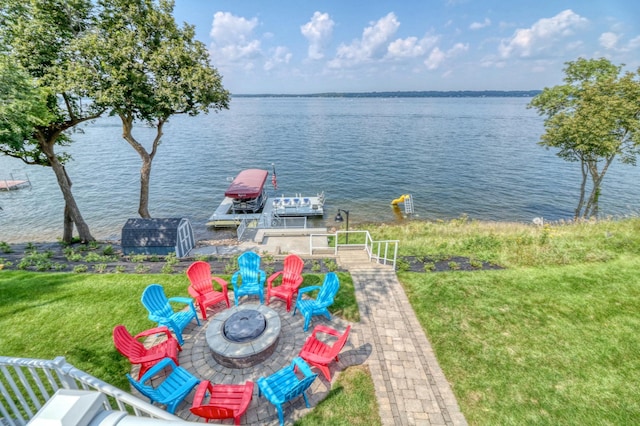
x=274 y=208
x=11 y=184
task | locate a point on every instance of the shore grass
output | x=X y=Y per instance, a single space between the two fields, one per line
x=515 y=245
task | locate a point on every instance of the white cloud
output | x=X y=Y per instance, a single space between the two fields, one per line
x=233 y=38
x=527 y=41
x=634 y=43
x=609 y=40
x=318 y=32
x=372 y=45
x=281 y=56
x=613 y=41
x=411 y=47
x=437 y=57
x=480 y=25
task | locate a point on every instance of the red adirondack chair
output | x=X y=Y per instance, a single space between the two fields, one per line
x=137 y=353
x=225 y=401
x=201 y=287
x=320 y=354
x=291 y=280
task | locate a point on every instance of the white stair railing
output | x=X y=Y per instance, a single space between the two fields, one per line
x=384 y=252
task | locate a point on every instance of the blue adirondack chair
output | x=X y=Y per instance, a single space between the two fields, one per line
x=284 y=385
x=172 y=390
x=160 y=310
x=250 y=278
x=319 y=305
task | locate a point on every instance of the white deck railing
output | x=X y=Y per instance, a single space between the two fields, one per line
x=384 y=252
x=26 y=384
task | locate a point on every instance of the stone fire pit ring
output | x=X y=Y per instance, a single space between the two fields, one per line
x=243 y=354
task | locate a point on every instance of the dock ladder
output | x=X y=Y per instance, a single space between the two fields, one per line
x=408 y=204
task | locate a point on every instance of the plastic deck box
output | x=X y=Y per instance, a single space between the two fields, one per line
x=157 y=236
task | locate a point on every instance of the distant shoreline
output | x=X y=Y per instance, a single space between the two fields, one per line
x=405 y=94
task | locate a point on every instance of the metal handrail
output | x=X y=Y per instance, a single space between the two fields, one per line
x=383 y=251
x=26 y=384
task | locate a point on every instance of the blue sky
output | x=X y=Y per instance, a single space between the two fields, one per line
x=300 y=46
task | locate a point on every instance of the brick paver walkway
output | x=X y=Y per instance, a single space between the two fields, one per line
x=410 y=387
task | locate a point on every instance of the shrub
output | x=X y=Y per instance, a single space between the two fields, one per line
x=100 y=267
x=141 y=268
x=78 y=269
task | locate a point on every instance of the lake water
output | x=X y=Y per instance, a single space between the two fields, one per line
x=473 y=156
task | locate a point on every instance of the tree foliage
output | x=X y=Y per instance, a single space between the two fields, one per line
x=40 y=104
x=593 y=119
x=155 y=69
x=23 y=107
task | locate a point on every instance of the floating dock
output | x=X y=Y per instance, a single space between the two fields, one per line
x=274 y=207
x=12 y=184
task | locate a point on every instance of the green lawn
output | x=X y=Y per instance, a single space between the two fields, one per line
x=543 y=346
x=550 y=340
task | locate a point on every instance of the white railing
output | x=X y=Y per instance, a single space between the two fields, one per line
x=267 y=221
x=244 y=225
x=289 y=222
x=384 y=252
x=26 y=384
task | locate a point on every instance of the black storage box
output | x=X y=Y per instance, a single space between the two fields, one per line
x=157 y=236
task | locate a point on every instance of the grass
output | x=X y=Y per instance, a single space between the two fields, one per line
x=350 y=402
x=552 y=346
x=515 y=245
x=550 y=340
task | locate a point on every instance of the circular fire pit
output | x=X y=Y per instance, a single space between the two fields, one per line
x=244 y=325
x=244 y=335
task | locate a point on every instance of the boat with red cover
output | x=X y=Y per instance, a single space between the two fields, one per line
x=247 y=191
x=246 y=199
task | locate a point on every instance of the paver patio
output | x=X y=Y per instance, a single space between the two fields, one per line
x=410 y=386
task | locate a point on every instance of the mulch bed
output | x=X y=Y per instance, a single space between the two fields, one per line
x=453 y=263
x=107 y=257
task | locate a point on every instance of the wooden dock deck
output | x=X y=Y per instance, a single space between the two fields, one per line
x=297 y=206
x=9 y=185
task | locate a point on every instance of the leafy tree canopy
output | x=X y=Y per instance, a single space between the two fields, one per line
x=593 y=118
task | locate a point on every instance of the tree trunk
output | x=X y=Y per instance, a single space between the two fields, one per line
x=147 y=159
x=145 y=176
x=583 y=184
x=67 y=233
x=72 y=212
x=596 y=177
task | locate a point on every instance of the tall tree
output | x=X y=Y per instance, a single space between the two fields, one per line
x=35 y=37
x=592 y=119
x=156 y=69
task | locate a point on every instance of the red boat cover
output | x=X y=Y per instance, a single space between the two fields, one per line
x=248 y=184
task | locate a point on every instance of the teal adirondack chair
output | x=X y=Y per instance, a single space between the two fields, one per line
x=172 y=390
x=160 y=310
x=319 y=305
x=284 y=385
x=249 y=280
